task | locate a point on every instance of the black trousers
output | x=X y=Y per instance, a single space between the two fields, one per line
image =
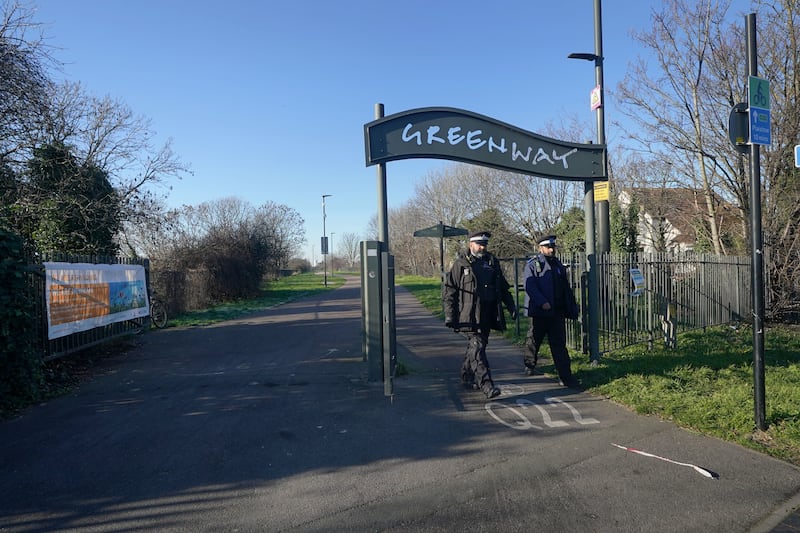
x=555 y=329
x=475 y=367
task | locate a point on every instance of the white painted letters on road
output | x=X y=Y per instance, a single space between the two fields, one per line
x=522 y=422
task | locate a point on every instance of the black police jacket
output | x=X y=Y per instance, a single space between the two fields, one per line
x=463 y=298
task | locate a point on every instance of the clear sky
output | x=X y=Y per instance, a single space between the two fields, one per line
x=266 y=100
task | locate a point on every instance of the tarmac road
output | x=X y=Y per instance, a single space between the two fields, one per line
x=268 y=423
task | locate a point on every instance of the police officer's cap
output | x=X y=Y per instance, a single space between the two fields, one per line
x=481 y=237
x=549 y=240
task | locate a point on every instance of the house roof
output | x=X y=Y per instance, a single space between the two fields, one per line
x=684 y=207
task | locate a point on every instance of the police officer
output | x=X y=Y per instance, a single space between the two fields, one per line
x=549 y=301
x=475 y=291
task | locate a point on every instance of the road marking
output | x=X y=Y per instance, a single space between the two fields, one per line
x=522 y=422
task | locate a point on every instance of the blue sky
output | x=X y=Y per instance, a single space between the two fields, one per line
x=267 y=100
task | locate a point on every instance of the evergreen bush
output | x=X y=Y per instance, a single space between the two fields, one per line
x=22 y=369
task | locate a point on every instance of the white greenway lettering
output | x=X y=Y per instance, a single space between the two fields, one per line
x=415 y=135
x=474 y=140
x=499 y=147
x=432 y=131
x=453 y=135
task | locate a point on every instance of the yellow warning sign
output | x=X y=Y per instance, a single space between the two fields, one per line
x=600 y=191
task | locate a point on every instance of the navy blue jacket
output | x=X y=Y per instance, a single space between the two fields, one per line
x=542 y=279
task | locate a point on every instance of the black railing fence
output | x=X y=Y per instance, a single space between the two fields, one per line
x=675 y=293
x=648 y=297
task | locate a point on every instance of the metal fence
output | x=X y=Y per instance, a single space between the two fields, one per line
x=677 y=293
x=59 y=347
x=680 y=292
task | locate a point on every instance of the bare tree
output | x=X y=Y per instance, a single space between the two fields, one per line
x=673 y=104
x=532 y=205
x=349 y=248
x=228 y=246
x=105 y=133
x=100 y=133
x=779 y=38
x=282 y=229
x=450 y=195
x=23 y=82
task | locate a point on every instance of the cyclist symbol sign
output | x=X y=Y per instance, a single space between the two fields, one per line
x=760 y=120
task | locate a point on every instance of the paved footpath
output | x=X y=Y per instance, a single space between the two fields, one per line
x=268 y=423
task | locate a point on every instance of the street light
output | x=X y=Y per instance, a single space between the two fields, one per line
x=593 y=311
x=603 y=229
x=324 y=243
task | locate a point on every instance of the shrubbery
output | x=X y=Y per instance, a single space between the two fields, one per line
x=22 y=374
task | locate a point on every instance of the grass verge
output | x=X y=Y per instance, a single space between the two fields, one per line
x=705 y=384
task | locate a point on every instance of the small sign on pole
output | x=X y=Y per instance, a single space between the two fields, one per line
x=600 y=191
x=739 y=128
x=638 y=282
x=760 y=120
x=797 y=156
x=595 y=98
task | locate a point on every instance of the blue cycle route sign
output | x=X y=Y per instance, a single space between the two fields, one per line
x=759 y=104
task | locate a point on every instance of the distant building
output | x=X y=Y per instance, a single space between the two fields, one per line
x=676 y=219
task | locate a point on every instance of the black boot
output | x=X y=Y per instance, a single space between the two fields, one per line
x=491 y=391
x=530 y=358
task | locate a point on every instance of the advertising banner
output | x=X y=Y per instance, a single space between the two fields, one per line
x=82 y=296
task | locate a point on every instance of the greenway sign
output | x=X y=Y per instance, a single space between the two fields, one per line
x=458 y=135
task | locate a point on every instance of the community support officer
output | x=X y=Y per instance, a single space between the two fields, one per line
x=549 y=301
x=474 y=294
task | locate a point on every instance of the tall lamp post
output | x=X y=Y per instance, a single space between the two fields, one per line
x=603 y=232
x=324 y=244
x=599 y=104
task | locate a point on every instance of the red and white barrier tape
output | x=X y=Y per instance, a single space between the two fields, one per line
x=704 y=471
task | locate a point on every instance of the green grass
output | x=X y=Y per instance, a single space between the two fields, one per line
x=273 y=293
x=705 y=384
x=426 y=290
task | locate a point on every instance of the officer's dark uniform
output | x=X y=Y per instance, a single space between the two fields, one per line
x=475 y=289
x=546 y=282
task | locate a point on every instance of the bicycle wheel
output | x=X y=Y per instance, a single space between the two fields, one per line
x=158 y=314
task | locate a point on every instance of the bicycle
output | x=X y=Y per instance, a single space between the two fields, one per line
x=158 y=313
